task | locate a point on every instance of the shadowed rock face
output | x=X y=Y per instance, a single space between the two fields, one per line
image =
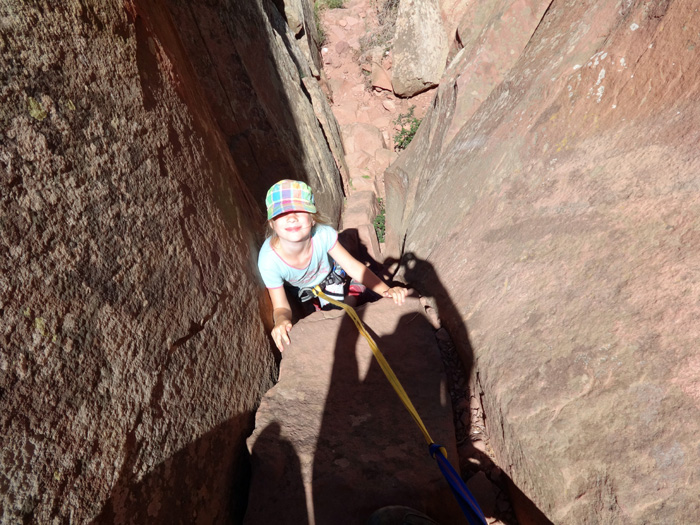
x=260 y=86
x=561 y=214
x=131 y=175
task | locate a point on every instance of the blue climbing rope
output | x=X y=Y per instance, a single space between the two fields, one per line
x=466 y=501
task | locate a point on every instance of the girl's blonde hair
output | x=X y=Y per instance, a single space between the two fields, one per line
x=318 y=217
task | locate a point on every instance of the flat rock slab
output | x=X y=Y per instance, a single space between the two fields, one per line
x=333 y=442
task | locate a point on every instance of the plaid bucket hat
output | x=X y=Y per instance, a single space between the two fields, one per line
x=289 y=195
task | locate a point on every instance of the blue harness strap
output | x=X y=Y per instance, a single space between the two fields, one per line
x=466 y=501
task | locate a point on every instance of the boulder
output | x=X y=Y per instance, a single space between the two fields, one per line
x=560 y=217
x=420 y=47
x=299 y=15
x=380 y=78
x=293 y=11
x=383 y=159
x=332 y=438
x=362 y=137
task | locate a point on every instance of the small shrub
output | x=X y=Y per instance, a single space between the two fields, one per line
x=409 y=125
x=320 y=5
x=387 y=11
x=320 y=32
x=380 y=221
x=381 y=36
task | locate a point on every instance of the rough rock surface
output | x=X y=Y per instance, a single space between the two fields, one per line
x=131 y=174
x=358 y=218
x=333 y=442
x=260 y=87
x=492 y=37
x=561 y=221
x=299 y=15
x=420 y=47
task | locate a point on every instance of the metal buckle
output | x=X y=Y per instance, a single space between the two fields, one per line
x=306 y=294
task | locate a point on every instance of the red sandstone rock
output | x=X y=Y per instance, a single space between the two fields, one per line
x=383 y=158
x=389 y=105
x=341 y=47
x=420 y=47
x=380 y=78
x=333 y=440
x=137 y=142
x=556 y=226
x=362 y=137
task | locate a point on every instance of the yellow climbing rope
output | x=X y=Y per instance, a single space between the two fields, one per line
x=388 y=372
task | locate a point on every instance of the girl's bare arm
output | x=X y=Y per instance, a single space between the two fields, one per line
x=281 y=316
x=364 y=275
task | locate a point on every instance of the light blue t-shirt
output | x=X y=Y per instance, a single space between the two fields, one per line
x=275 y=272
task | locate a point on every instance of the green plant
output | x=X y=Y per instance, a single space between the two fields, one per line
x=409 y=125
x=379 y=37
x=380 y=221
x=320 y=32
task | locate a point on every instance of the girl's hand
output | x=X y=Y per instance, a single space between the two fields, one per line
x=280 y=334
x=397 y=293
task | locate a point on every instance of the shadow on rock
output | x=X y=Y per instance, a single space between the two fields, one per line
x=421 y=275
x=213 y=470
x=370 y=451
x=277 y=481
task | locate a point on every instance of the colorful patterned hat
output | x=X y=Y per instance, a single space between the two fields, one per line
x=289 y=195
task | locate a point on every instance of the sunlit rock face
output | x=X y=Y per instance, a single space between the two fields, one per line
x=132 y=173
x=420 y=47
x=549 y=204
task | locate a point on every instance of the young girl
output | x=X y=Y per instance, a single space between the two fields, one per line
x=299 y=252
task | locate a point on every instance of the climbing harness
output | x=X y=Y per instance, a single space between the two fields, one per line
x=333 y=285
x=466 y=501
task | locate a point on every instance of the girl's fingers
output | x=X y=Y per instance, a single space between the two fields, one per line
x=398 y=294
x=280 y=335
x=400 y=297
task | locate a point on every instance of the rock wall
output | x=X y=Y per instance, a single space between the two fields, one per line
x=137 y=140
x=549 y=205
x=260 y=86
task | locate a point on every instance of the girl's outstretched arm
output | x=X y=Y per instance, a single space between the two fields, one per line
x=281 y=316
x=364 y=275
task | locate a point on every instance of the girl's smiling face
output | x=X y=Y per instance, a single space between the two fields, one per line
x=293 y=226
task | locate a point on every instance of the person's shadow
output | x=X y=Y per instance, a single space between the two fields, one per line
x=367 y=436
x=370 y=453
x=421 y=276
